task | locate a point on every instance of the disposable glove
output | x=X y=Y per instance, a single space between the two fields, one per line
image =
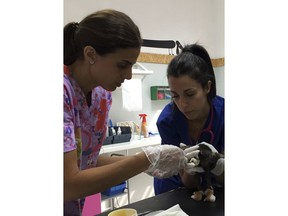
x=192 y=167
x=210 y=160
x=166 y=160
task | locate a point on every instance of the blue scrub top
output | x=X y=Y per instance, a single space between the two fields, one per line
x=173 y=129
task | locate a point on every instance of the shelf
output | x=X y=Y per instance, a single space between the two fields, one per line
x=139 y=71
x=165 y=59
x=139 y=143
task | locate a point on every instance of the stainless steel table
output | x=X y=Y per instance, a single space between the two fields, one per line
x=182 y=197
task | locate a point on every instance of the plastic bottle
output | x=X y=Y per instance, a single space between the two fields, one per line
x=144 y=128
x=119 y=132
x=113 y=131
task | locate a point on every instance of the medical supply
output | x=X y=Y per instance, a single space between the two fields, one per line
x=107 y=131
x=113 y=131
x=126 y=124
x=136 y=128
x=144 y=128
x=118 y=134
x=119 y=131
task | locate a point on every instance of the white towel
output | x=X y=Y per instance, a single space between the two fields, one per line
x=173 y=211
x=132 y=94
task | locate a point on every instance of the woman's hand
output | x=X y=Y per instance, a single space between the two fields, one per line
x=166 y=160
x=191 y=153
x=214 y=159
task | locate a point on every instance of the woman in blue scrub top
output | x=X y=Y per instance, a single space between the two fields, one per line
x=196 y=113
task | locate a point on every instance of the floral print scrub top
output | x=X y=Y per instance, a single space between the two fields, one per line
x=84 y=128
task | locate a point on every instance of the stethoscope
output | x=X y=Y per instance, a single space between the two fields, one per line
x=207 y=132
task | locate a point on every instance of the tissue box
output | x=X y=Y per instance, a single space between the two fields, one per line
x=115 y=189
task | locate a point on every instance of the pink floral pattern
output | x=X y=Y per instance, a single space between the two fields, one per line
x=84 y=127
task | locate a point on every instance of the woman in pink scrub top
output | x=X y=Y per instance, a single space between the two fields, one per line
x=98 y=56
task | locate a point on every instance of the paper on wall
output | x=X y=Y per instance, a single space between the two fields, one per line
x=132 y=94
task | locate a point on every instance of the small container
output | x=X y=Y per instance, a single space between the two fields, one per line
x=124 y=212
x=119 y=131
x=146 y=133
x=113 y=131
x=107 y=131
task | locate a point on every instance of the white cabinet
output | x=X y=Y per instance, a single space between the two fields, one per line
x=138 y=187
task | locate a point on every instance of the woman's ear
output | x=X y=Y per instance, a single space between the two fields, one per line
x=89 y=54
x=208 y=87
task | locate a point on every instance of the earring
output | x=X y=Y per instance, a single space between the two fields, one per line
x=91 y=62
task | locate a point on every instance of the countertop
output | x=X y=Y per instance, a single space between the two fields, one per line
x=134 y=143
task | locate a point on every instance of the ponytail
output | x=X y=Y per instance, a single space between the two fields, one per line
x=195 y=62
x=71 y=51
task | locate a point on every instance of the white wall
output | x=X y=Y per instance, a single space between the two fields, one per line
x=187 y=21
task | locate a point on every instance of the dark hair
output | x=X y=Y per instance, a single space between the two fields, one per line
x=105 y=30
x=195 y=62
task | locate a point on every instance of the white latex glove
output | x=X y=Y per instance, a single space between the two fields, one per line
x=192 y=153
x=166 y=160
